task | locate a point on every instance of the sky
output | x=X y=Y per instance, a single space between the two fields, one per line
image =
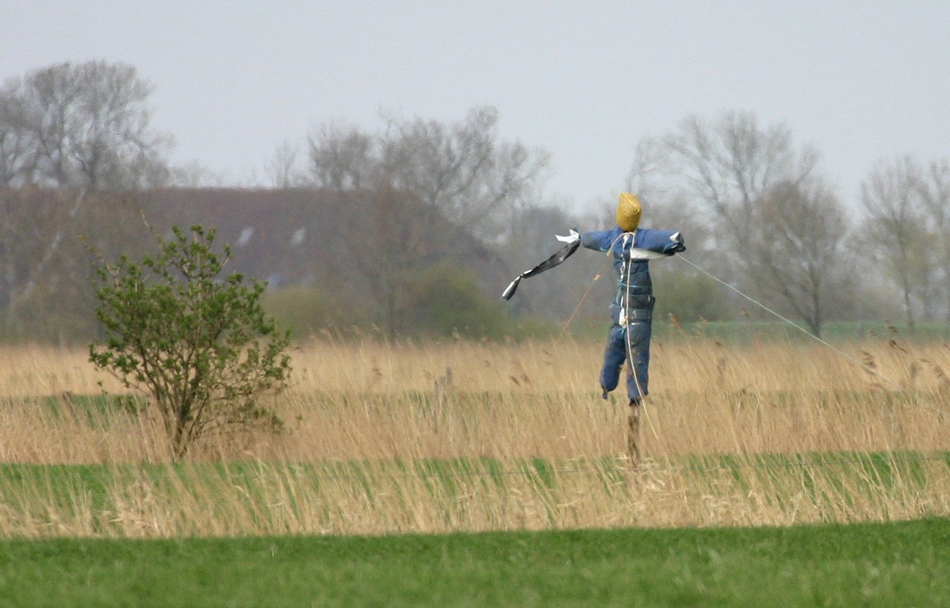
x=860 y=81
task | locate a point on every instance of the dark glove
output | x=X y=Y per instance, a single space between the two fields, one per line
x=680 y=243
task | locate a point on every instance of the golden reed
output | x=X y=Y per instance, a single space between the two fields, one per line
x=509 y=436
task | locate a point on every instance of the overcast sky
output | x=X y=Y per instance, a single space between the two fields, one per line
x=858 y=80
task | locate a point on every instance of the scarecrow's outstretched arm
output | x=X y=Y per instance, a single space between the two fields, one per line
x=572 y=242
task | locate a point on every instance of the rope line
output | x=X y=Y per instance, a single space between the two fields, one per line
x=624 y=313
x=580 y=303
x=825 y=343
x=787 y=320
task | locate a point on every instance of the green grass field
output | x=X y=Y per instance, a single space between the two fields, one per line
x=891 y=564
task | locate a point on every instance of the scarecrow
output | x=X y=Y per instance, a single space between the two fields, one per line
x=630 y=248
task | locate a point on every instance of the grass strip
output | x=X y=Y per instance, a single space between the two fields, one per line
x=892 y=564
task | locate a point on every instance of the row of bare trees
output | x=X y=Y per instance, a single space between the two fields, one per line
x=756 y=208
x=461 y=171
x=770 y=223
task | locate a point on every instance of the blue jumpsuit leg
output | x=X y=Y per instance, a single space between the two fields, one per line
x=616 y=353
x=638 y=375
x=614 y=356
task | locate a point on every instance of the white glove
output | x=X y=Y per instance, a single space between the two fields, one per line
x=573 y=237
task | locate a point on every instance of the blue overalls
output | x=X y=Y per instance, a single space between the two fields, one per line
x=632 y=307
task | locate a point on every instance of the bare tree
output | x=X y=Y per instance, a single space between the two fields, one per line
x=935 y=193
x=419 y=189
x=387 y=245
x=283 y=170
x=17 y=147
x=728 y=165
x=725 y=170
x=667 y=203
x=895 y=231
x=45 y=261
x=27 y=220
x=650 y=172
x=462 y=170
x=343 y=159
x=798 y=256
x=458 y=171
x=90 y=126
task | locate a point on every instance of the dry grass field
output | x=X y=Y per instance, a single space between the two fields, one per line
x=485 y=436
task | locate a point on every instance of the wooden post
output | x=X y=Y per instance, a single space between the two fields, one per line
x=633 y=433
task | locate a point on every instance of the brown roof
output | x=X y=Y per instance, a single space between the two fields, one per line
x=302 y=236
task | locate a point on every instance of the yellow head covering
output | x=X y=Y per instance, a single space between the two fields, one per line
x=628 y=212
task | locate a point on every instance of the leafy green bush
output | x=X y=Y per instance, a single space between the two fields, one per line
x=689 y=298
x=198 y=342
x=304 y=311
x=446 y=300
